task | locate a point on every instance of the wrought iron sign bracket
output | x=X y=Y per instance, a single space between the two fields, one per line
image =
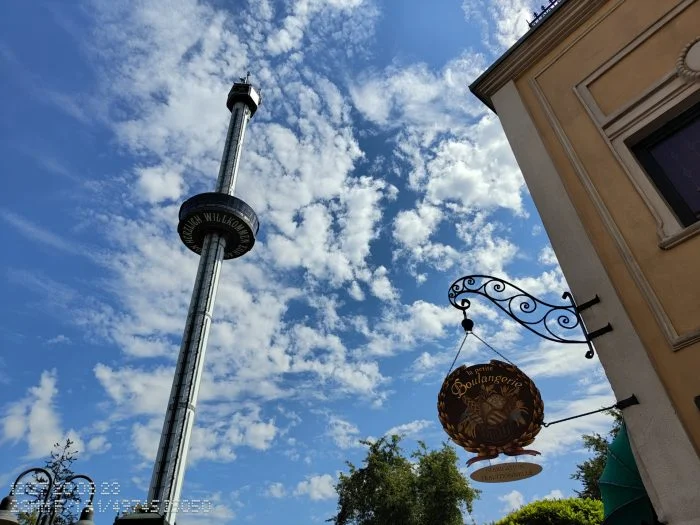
x=549 y=321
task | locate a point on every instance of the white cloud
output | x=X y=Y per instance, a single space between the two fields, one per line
x=343 y=433
x=356 y=292
x=456 y=156
x=313 y=247
x=409 y=429
x=326 y=357
x=416 y=226
x=428 y=363
x=98 y=445
x=554 y=494
x=513 y=501
x=381 y=285
x=359 y=224
x=551 y=359
x=547 y=257
x=257 y=434
x=145 y=438
x=289 y=37
x=137 y=391
x=548 y=282
x=451 y=174
x=416 y=96
x=213 y=438
x=276 y=490
x=502 y=21
x=317 y=487
x=59 y=339
x=476 y=173
x=158 y=183
x=482 y=243
x=34 y=419
x=403 y=327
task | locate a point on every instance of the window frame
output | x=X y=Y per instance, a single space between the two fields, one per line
x=656 y=172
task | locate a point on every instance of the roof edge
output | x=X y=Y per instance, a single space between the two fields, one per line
x=552 y=30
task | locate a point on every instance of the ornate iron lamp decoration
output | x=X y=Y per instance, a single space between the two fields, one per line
x=47 y=511
x=558 y=323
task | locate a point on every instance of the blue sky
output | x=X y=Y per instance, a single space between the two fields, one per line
x=378 y=180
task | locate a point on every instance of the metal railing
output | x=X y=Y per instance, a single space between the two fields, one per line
x=544 y=10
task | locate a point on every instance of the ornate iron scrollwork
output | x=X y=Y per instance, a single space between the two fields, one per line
x=550 y=321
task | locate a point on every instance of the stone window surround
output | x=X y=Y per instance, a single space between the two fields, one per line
x=660 y=103
x=657 y=106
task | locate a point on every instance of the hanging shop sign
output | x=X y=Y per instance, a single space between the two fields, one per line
x=491 y=409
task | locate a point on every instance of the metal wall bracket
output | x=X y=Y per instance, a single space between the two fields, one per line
x=597 y=333
x=585 y=306
x=628 y=402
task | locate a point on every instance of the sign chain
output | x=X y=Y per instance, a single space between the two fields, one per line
x=458 y=352
x=494 y=350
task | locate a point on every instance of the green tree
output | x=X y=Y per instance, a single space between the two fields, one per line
x=443 y=491
x=589 y=471
x=572 y=511
x=389 y=488
x=28 y=518
x=65 y=501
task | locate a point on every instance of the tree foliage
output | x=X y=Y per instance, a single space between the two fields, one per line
x=589 y=471
x=572 y=511
x=389 y=488
x=65 y=501
x=28 y=518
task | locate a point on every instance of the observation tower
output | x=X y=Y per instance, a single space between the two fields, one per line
x=217 y=226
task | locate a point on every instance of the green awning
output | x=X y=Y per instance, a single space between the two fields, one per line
x=625 y=501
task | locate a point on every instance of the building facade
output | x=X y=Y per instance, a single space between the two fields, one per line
x=600 y=102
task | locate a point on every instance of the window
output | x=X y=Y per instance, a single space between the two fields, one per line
x=671 y=158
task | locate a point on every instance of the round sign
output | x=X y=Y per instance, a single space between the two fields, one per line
x=506 y=472
x=490 y=408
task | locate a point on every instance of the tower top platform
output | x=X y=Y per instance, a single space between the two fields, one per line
x=244 y=92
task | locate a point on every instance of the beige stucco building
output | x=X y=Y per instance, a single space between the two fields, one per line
x=600 y=102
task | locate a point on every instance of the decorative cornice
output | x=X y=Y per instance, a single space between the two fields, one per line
x=560 y=23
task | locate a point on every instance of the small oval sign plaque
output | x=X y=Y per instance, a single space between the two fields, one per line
x=504 y=472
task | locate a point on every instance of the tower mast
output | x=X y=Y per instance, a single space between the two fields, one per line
x=218 y=226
